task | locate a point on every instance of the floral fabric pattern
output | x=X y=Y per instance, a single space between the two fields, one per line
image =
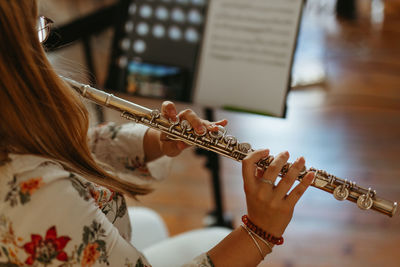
x=111 y=203
x=21 y=192
x=47 y=249
x=111 y=144
x=139 y=263
x=42 y=251
x=93 y=247
x=52 y=217
x=9 y=243
x=134 y=164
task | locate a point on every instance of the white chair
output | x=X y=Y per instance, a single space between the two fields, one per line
x=150 y=235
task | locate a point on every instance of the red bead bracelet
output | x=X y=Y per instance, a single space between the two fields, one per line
x=261 y=233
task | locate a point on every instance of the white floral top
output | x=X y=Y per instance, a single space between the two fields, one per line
x=52 y=217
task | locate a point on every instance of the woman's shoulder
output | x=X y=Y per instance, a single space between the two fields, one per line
x=26 y=176
x=25 y=164
x=29 y=183
x=23 y=175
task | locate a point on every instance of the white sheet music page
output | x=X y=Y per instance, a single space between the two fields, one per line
x=247 y=53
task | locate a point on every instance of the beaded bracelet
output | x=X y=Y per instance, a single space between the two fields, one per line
x=261 y=233
x=269 y=245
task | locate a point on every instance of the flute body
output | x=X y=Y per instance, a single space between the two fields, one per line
x=228 y=146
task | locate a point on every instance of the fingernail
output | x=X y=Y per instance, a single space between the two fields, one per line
x=201 y=129
x=212 y=126
x=300 y=160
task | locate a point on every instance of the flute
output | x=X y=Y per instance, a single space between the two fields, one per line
x=228 y=146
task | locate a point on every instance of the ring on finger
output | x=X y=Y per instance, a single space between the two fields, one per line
x=267 y=181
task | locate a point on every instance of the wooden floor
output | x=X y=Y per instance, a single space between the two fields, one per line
x=349 y=125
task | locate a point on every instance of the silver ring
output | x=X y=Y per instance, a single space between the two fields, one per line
x=267 y=181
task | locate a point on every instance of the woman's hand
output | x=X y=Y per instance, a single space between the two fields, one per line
x=173 y=148
x=271 y=207
x=157 y=144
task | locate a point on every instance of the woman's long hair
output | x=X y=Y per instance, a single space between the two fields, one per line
x=39 y=114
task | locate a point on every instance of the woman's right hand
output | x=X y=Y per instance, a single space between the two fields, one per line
x=271 y=206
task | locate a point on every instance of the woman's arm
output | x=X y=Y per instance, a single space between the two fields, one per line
x=237 y=249
x=270 y=207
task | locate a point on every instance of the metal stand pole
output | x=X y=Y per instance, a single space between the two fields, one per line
x=217 y=217
x=92 y=73
x=346 y=9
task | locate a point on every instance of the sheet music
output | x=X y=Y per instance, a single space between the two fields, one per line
x=247 y=54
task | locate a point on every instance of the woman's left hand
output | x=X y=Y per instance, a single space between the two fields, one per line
x=173 y=148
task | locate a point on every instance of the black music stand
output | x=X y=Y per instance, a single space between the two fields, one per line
x=176 y=48
x=84 y=28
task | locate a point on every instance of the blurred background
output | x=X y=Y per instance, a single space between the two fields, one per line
x=343 y=116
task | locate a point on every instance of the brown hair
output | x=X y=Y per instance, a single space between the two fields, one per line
x=39 y=114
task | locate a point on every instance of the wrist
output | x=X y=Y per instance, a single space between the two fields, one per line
x=261 y=233
x=264 y=248
x=152 y=145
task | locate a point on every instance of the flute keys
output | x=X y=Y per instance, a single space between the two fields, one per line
x=303 y=172
x=341 y=192
x=269 y=159
x=155 y=114
x=173 y=123
x=185 y=125
x=176 y=122
x=218 y=134
x=285 y=168
x=365 y=201
x=200 y=134
x=244 y=147
x=230 y=139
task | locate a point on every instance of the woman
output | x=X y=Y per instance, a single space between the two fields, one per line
x=60 y=207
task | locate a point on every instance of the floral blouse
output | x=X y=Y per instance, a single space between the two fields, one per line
x=52 y=217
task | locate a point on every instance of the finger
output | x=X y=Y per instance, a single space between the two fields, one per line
x=276 y=166
x=173 y=148
x=213 y=126
x=194 y=120
x=223 y=122
x=288 y=180
x=299 y=190
x=249 y=167
x=179 y=145
x=168 y=110
x=259 y=172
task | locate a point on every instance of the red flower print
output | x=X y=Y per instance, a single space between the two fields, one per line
x=46 y=250
x=30 y=186
x=90 y=255
x=112 y=195
x=100 y=195
x=95 y=194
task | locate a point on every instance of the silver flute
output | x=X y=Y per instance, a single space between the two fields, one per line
x=228 y=145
